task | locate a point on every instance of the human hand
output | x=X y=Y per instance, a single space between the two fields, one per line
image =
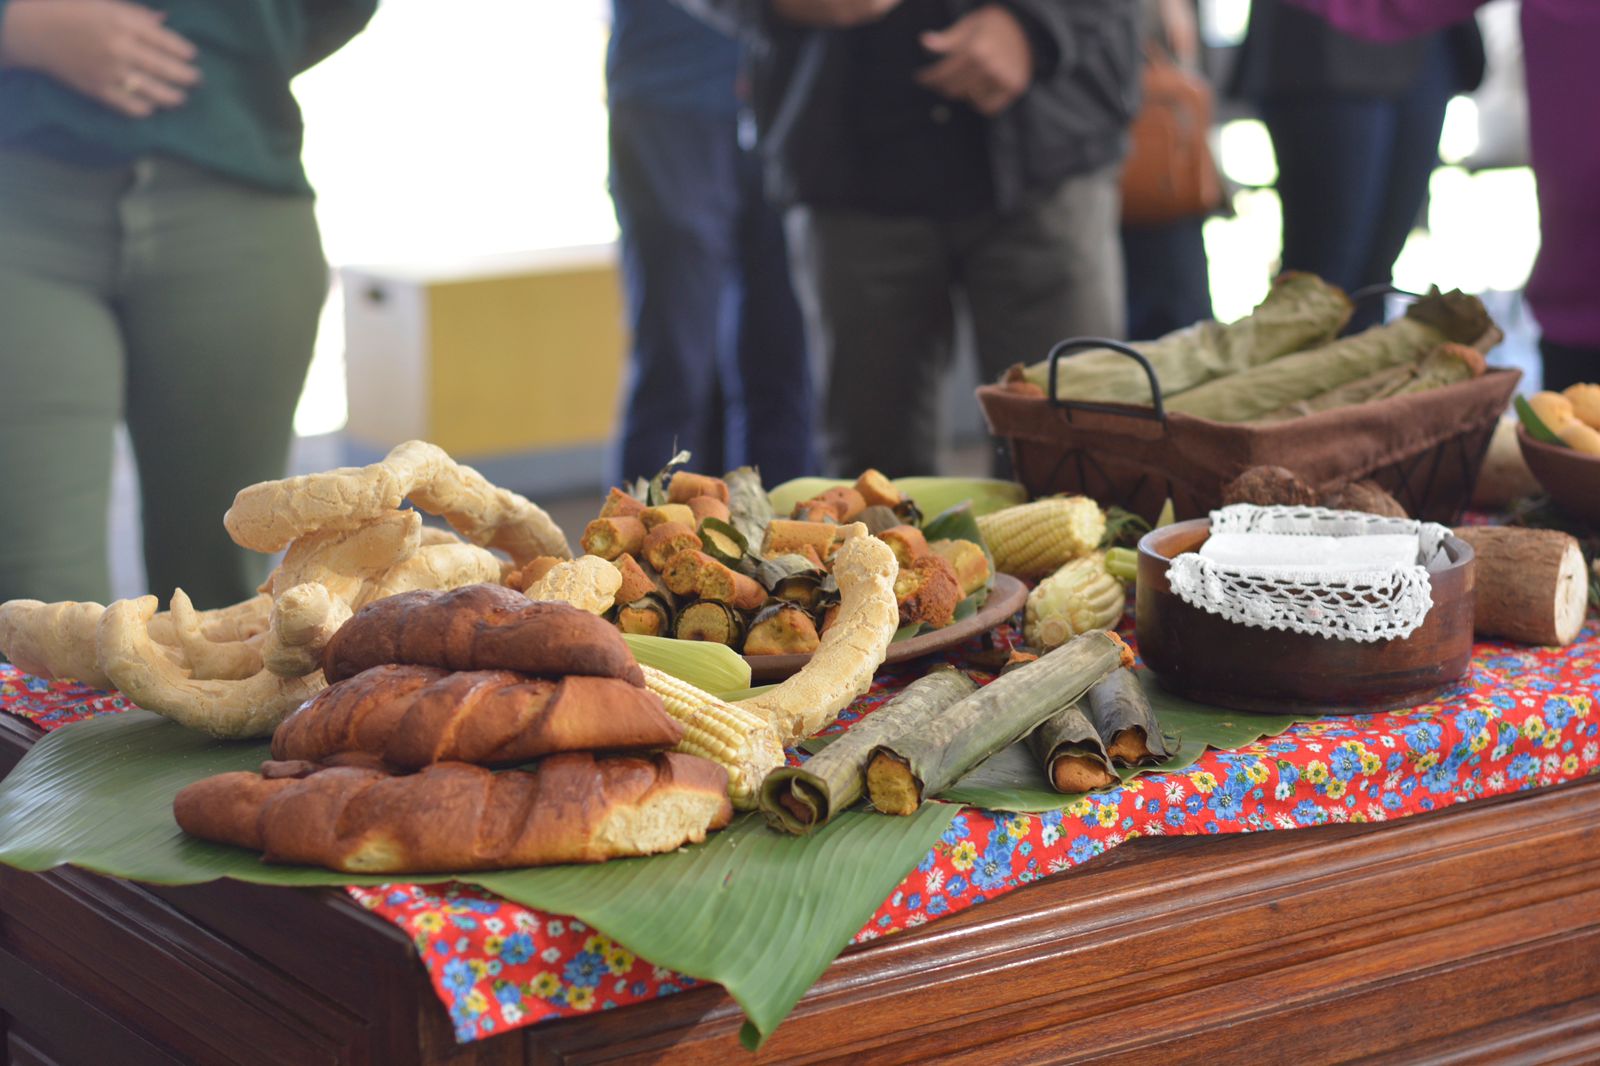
x=1181 y=30
x=833 y=14
x=987 y=62
x=112 y=51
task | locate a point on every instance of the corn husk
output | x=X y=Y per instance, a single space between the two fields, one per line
x=1123 y=717
x=1300 y=311
x=1433 y=320
x=1444 y=365
x=713 y=667
x=924 y=762
x=801 y=799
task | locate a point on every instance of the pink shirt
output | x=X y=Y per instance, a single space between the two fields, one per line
x=1561 y=43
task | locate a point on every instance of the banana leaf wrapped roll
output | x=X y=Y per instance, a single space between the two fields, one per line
x=782 y=629
x=1301 y=311
x=933 y=753
x=1433 y=320
x=1126 y=722
x=1074 y=757
x=661 y=514
x=649 y=616
x=749 y=505
x=799 y=799
x=712 y=621
x=794 y=578
x=723 y=542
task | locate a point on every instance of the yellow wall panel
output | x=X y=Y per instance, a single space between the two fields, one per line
x=525 y=361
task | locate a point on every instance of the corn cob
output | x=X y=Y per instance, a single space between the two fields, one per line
x=739 y=740
x=1078 y=598
x=1037 y=538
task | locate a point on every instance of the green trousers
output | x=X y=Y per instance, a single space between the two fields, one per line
x=166 y=297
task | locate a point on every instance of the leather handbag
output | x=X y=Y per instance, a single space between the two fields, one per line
x=1169 y=173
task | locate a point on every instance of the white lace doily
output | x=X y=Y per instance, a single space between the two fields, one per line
x=1383 y=603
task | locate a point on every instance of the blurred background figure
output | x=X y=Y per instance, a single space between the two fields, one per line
x=930 y=150
x=1355 y=127
x=718 y=363
x=1560 y=39
x=159 y=264
x=1168 y=283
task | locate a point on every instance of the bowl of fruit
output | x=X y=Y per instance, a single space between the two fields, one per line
x=1560 y=439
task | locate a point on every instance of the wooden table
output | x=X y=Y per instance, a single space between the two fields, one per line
x=1471 y=934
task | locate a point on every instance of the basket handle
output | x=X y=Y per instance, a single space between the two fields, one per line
x=1382 y=288
x=1157 y=413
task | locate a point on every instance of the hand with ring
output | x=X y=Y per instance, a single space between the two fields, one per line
x=113 y=51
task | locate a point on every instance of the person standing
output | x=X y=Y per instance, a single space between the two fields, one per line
x=1168 y=278
x=160 y=264
x=1560 y=39
x=1355 y=127
x=931 y=149
x=718 y=363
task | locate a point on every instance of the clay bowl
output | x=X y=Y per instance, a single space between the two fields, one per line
x=1207 y=658
x=1571 y=477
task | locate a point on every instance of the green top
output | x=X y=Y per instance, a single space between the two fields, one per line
x=241 y=120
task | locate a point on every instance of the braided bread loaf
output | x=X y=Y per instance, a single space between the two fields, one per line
x=413 y=716
x=452 y=817
x=479 y=627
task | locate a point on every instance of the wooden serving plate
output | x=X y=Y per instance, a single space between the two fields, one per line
x=1005 y=599
x=1212 y=660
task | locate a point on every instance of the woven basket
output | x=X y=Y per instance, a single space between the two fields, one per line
x=1424 y=448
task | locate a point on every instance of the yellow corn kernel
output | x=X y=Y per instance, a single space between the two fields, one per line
x=1037 y=538
x=742 y=742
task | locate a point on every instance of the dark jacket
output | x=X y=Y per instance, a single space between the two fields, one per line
x=1289 y=51
x=1072 y=120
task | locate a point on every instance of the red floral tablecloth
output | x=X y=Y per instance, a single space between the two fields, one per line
x=1522 y=718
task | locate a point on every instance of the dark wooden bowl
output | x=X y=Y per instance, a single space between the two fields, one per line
x=1207 y=658
x=1571 y=477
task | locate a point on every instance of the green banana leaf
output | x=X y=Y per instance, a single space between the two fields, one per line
x=761 y=913
x=1535 y=425
x=1013 y=779
x=932 y=494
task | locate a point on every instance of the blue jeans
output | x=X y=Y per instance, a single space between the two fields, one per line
x=719 y=359
x=1168 y=278
x=1353 y=173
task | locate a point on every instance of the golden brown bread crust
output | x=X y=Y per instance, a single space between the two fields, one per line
x=455 y=817
x=412 y=716
x=479 y=627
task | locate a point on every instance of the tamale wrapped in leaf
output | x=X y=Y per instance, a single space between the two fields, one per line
x=1433 y=320
x=782 y=629
x=799 y=799
x=722 y=541
x=1122 y=715
x=933 y=754
x=648 y=616
x=1446 y=364
x=748 y=504
x=712 y=621
x=1300 y=311
x=1070 y=749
